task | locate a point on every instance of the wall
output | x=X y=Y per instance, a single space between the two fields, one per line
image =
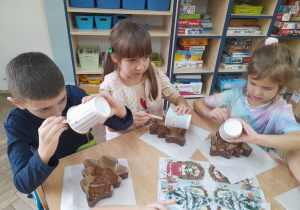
x=24 y=28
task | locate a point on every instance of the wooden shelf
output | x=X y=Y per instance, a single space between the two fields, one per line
x=204 y=69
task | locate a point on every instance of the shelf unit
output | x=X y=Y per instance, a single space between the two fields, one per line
x=160 y=23
x=220 y=11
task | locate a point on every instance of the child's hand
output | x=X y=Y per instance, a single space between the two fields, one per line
x=117 y=108
x=87 y=98
x=249 y=135
x=182 y=109
x=162 y=205
x=139 y=118
x=219 y=114
x=49 y=134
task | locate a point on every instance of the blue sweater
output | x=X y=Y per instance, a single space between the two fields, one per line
x=23 y=141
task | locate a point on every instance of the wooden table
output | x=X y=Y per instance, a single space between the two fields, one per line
x=143 y=164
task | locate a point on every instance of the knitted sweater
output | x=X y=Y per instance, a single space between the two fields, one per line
x=113 y=85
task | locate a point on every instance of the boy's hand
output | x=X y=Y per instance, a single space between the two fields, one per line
x=249 y=135
x=88 y=98
x=139 y=118
x=182 y=109
x=218 y=113
x=117 y=108
x=49 y=134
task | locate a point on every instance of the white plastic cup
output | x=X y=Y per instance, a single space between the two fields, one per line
x=231 y=129
x=83 y=117
x=177 y=121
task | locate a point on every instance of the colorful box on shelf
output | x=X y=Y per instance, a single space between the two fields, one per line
x=188 y=86
x=283 y=17
x=189 y=22
x=245 y=9
x=186 y=2
x=290 y=2
x=181 y=57
x=190 y=30
x=287 y=25
x=82 y=3
x=117 y=18
x=156 y=59
x=241 y=67
x=84 y=22
x=103 y=22
x=193 y=41
x=289 y=9
x=184 y=52
x=225 y=58
x=187 y=9
x=89 y=56
x=134 y=4
x=238 y=53
x=239 y=41
x=190 y=16
x=191 y=48
x=235 y=47
x=188 y=64
x=160 y=5
x=243 y=30
x=109 y=4
x=228 y=82
x=285 y=32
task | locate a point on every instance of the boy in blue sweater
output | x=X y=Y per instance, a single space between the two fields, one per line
x=36 y=136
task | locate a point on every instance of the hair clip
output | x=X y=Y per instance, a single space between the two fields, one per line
x=109 y=49
x=271 y=40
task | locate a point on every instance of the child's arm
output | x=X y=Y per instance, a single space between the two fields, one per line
x=181 y=106
x=217 y=113
x=289 y=141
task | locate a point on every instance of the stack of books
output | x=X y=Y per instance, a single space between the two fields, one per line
x=236 y=54
x=288 y=19
x=189 y=52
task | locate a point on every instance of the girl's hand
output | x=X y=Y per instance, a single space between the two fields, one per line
x=139 y=118
x=182 y=109
x=218 y=113
x=249 y=135
x=49 y=134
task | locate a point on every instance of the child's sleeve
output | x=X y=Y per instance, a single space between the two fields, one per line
x=219 y=100
x=285 y=121
x=168 y=90
x=118 y=124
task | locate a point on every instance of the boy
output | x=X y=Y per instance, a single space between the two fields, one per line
x=36 y=136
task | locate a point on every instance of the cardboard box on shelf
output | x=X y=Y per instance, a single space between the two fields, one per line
x=188 y=86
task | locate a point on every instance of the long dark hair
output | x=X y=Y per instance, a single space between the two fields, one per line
x=130 y=40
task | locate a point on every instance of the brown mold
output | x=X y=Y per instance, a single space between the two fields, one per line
x=100 y=177
x=219 y=147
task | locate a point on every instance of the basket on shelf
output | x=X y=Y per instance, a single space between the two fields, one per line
x=88 y=56
x=246 y=9
x=156 y=59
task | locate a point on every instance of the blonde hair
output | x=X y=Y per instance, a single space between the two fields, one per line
x=275 y=61
x=130 y=40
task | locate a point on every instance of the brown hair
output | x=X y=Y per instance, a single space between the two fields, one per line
x=275 y=61
x=34 y=76
x=131 y=40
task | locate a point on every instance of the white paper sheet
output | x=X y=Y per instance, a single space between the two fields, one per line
x=172 y=149
x=74 y=198
x=290 y=199
x=235 y=169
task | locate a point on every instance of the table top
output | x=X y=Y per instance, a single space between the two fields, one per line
x=143 y=161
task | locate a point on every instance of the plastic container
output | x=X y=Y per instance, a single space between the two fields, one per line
x=89 y=56
x=103 y=22
x=82 y=3
x=120 y=17
x=109 y=4
x=160 y=5
x=156 y=59
x=246 y=10
x=134 y=4
x=84 y=22
x=231 y=129
x=177 y=121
